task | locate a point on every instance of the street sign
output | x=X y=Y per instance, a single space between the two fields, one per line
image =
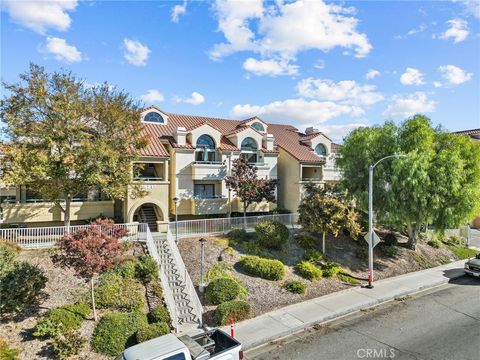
x=376 y=239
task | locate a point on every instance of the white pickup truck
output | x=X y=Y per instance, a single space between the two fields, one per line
x=211 y=345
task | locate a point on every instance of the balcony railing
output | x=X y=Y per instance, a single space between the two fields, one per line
x=209 y=162
x=148 y=178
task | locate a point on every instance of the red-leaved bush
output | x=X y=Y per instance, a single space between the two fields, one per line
x=91 y=251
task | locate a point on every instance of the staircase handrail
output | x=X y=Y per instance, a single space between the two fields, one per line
x=167 y=292
x=190 y=289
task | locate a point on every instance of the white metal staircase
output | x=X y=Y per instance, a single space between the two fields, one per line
x=180 y=296
x=147 y=215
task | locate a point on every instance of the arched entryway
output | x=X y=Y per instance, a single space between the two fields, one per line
x=148 y=213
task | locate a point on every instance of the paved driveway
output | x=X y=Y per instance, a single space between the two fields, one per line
x=475 y=238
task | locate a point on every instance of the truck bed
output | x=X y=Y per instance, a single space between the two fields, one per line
x=209 y=344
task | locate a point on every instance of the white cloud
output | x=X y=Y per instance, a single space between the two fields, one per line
x=62 y=51
x=270 y=67
x=297 y=110
x=284 y=29
x=41 y=15
x=178 y=11
x=437 y=84
x=320 y=64
x=345 y=91
x=152 y=96
x=412 y=76
x=195 y=99
x=338 y=132
x=412 y=104
x=372 y=74
x=458 y=30
x=454 y=75
x=472 y=7
x=421 y=28
x=135 y=52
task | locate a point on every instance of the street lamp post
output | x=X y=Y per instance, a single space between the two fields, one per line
x=370 y=217
x=175 y=200
x=201 y=286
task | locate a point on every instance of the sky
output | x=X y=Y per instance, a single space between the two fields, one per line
x=331 y=65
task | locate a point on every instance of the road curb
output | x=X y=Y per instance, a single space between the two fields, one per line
x=339 y=313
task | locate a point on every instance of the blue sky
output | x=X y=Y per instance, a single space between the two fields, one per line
x=332 y=65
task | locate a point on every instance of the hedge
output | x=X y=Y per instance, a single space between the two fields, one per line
x=116 y=292
x=151 y=331
x=309 y=271
x=159 y=314
x=236 y=310
x=223 y=289
x=265 y=268
x=116 y=331
x=272 y=234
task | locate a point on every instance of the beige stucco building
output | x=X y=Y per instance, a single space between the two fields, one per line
x=188 y=158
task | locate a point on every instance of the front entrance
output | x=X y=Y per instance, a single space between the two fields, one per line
x=148 y=213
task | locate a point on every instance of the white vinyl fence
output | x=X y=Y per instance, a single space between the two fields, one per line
x=188 y=228
x=45 y=237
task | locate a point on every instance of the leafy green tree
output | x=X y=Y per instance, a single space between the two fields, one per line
x=64 y=138
x=437 y=182
x=244 y=182
x=324 y=210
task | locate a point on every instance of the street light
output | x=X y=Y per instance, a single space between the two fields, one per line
x=175 y=200
x=201 y=286
x=370 y=217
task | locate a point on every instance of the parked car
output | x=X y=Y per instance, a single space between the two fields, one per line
x=212 y=345
x=472 y=266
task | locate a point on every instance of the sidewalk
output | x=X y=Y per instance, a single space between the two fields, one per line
x=293 y=318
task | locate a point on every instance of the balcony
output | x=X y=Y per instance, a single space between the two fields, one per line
x=214 y=205
x=263 y=170
x=208 y=170
x=312 y=174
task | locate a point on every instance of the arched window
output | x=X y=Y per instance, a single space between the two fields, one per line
x=154 y=117
x=205 y=149
x=321 y=150
x=258 y=126
x=249 y=149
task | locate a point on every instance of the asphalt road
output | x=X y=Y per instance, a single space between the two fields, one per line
x=443 y=323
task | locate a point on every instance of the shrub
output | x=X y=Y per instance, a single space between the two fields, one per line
x=390 y=251
x=308 y=271
x=151 y=331
x=219 y=270
x=342 y=276
x=236 y=310
x=265 y=268
x=272 y=234
x=314 y=256
x=157 y=290
x=115 y=331
x=463 y=253
x=68 y=344
x=6 y=352
x=434 y=243
x=126 y=269
x=330 y=269
x=391 y=239
x=238 y=235
x=295 y=286
x=119 y=293
x=8 y=251
x=147 y=269
x=222 y=289
x=159 y=314
x=306 y=240
x=21 y=287
x=62 y=320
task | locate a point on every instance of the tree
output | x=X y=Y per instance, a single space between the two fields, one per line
x=247 y=186
x=324 y=210
x=91 y=251
x=437 y=182
x=65 y=138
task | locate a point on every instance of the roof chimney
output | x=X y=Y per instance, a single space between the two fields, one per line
x=180 y=135
x=310 y=130
x=268 y=141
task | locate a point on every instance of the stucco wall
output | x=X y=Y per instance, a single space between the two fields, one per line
x=289 y=177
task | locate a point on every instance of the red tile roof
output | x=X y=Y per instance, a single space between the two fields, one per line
x=468 y=132
x=286 y=137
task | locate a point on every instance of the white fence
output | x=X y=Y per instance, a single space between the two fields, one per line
x=45 y=237
x=189 y=228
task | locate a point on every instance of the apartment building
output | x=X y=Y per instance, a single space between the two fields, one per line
x=183 y=170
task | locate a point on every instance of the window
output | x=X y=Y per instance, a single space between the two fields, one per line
x=205 y=149
x=258 y=126
x=153 y=117
x=179 y=356
x=204 y=191
x=249 y=145
x=321 y=150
